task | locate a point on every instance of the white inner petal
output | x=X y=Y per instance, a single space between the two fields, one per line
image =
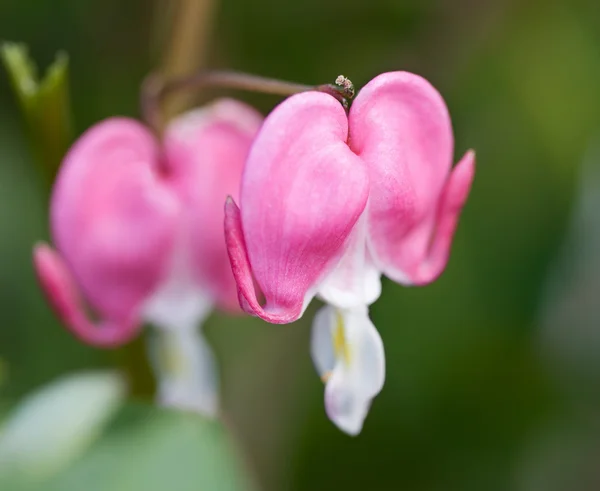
x=355 y=281
x=179 y=302
x=186 y=370
x=321 y=342
x=348 y=354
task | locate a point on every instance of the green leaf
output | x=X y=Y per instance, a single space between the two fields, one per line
x=151 y=449
x=45 y=104
x=54 y=425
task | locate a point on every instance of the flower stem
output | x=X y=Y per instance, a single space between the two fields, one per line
x=155 y=89
x=186 y=47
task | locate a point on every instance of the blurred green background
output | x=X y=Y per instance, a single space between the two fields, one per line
x=493 y=372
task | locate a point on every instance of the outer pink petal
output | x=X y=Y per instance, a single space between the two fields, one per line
x=400 y=126
x=206 y=149
x=61 y=291
x=302 y=192
x=113 y=220
x=454 y=196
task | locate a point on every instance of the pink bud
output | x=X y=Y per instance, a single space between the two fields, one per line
x=309 y=176
x=128 y=220
x=303 y=189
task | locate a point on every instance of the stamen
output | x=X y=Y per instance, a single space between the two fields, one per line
x=168 y=355
x=340 y=345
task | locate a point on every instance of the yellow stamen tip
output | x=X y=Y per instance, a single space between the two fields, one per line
x=340 y=344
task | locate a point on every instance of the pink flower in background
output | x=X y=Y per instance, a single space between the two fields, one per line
x=329 y=202
x=139 y=237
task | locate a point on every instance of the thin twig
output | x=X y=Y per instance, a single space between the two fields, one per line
x=155 y=90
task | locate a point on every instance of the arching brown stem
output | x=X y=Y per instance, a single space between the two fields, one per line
x=155 y=89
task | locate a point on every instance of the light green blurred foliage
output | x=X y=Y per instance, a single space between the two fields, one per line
x=56 y=440
x=44 y=103
x=470 y=402
x=155 y=450
x=56 y=424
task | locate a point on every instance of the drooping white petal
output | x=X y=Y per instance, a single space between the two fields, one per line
x=348 y=354
x=355 y=281
x=182 y=361
x=321 y=341
x=185 y=368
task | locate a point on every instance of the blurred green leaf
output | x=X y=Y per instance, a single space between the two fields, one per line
x=45 y=104
x=152 y=449
x=55 y=424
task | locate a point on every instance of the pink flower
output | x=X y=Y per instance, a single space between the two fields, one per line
x=329 y=202
x=138 y=227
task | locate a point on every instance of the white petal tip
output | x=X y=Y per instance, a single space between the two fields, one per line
x=206 y=406
x=346 y=411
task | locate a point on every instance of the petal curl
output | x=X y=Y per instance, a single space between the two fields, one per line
x=302 y=192
x=348 y=354
x=206 y=150
x=61 y=292
x=454 y=196
x=400 y=126
x=112 y=218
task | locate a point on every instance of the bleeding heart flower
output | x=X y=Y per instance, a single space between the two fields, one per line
x=329 y=202
x=139 y=235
